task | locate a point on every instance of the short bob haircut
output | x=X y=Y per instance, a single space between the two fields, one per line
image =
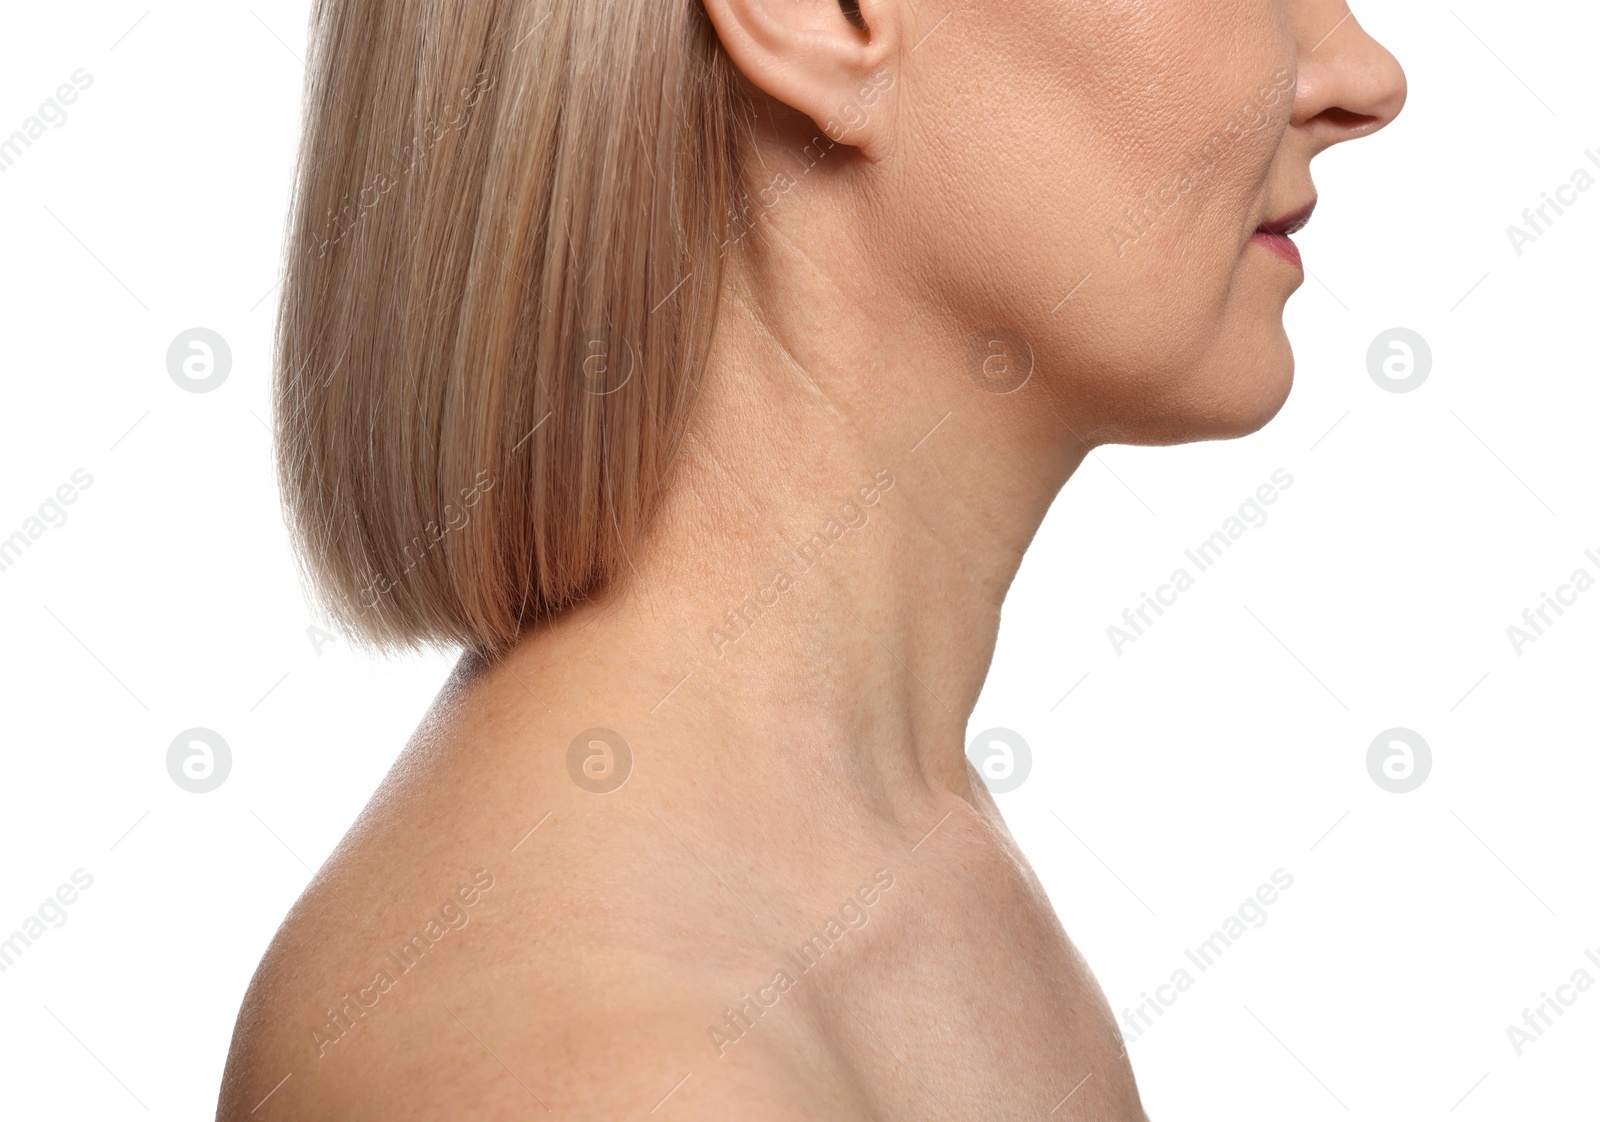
x=504 y=255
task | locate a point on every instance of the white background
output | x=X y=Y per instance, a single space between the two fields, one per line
x=1227 y=742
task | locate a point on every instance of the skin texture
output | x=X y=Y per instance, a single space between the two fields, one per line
x=797 y=743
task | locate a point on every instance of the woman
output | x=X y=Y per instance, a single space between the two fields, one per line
x=703 y=368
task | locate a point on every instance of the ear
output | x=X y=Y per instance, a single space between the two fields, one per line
x=829 y=59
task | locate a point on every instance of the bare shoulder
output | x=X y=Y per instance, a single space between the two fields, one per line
x=513 y=1041
x=489 y=966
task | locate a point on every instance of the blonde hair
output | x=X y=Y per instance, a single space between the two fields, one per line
x=502 y=277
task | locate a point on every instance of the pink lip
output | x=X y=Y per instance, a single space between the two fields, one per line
x=1274 y=235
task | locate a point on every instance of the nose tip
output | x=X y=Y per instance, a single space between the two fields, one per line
x=1377 y=83
x=1350 y=86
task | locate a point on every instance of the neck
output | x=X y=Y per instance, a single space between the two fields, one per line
x=824 y=582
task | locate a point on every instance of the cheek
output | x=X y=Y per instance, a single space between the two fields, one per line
x=1188 y=139
x=1175 y=321
x=1052 y=141
x=1118 y=152
x=1173 y=262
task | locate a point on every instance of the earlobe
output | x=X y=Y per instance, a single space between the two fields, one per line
x=815 y=56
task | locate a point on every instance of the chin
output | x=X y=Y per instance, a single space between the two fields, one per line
x=1258 y=395
x=1232 y=392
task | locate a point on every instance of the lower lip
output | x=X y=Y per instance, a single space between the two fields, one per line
x=1280 y=245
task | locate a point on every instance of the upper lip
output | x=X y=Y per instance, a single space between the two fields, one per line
x=1290 y=223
